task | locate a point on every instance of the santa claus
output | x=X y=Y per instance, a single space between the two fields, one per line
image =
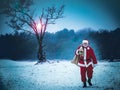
x=86 y=61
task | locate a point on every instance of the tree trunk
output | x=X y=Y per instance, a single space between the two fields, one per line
x=41 y=54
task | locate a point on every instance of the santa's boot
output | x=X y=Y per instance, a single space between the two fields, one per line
x=84 y=84
x=89 y=82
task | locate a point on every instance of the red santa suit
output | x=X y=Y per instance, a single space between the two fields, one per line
x=86 y=62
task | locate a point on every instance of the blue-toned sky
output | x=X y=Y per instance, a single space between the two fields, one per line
x=79 y=14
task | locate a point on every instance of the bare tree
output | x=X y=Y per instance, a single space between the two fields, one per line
x=20 y=17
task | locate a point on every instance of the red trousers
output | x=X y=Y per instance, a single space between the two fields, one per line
x=86 y=72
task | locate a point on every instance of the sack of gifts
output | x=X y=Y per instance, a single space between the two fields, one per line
x=75 y=60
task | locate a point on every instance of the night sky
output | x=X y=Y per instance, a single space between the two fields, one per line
x=79 y=14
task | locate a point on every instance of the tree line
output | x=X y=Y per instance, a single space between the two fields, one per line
x=60 y=45
x=108 y=42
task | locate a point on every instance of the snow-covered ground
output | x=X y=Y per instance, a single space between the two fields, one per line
x=56 y=75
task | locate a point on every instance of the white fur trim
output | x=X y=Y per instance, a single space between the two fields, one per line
x=77 y=52
x=85 y=54
x=82 y=65
x=85 y=41
x=87 y=65
x=88 y=48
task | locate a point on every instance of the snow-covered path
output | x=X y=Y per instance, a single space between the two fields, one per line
x=62 y=75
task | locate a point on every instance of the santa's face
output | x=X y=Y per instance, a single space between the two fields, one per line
x=85 y=44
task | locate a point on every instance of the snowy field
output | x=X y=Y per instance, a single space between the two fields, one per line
x=56 y=75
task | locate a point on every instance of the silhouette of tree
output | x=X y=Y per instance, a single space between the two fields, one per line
x=20 y=16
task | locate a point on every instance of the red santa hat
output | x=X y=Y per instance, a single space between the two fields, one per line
x=85 y=41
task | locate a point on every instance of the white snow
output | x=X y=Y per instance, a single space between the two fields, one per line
x=56 y=75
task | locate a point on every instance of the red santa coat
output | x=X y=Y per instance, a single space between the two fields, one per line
x=86 y=56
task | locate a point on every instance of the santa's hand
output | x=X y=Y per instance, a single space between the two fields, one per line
x=77 y=52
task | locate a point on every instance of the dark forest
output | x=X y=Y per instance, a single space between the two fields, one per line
x=60 y=45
